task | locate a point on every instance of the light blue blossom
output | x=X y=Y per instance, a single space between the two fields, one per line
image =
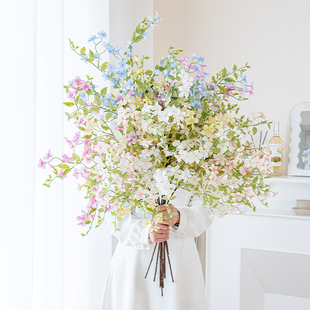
x=82 y=95
x=97 y=56
x=92 y=38
x=102 y=34
x=199 y=59
x=84 y=57
x=157 y=18
x=244 y=78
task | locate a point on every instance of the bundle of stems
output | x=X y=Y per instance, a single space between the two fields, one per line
x=162 y=255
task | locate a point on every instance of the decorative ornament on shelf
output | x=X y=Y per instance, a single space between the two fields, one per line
x=157 y=131
x=299 y=164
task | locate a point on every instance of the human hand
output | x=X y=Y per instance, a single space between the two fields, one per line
x=159 y=235
x=175 y=218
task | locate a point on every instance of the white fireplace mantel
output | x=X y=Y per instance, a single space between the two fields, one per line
x=259 y=261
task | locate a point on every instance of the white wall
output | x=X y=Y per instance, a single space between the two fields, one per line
x=271 y=35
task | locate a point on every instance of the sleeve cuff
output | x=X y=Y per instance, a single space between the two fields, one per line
x=182 y=224
x=145 y=238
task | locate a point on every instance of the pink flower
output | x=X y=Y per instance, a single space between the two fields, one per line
x=71 y=145
x=84 y=217
x=70 y=94
x=41 y=164
x=67 y=159
x=118 y=97
x=183 y=59
x=76 y=173
x=75 y=86
x=85 y=86
x=62 y=175
x=48 y=155
x=275 y=194
x=131 y=138
x=85 y=173
x=76 y=138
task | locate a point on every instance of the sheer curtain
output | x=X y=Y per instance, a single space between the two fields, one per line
x=44 y=262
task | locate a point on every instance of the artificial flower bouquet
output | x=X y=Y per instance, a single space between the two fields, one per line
x=157 y=131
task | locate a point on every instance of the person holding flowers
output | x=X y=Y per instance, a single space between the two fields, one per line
x=159 y=157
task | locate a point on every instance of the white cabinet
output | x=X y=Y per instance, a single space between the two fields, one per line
x=261 y=260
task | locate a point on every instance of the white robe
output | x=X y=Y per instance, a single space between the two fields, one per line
x=127 y=289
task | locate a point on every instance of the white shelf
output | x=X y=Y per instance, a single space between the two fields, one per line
x=288 y=179
x=276 y=213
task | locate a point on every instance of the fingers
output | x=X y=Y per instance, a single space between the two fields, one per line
x=161 y=235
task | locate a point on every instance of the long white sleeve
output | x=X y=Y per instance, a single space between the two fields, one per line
x=194 y=218
x=131 y=232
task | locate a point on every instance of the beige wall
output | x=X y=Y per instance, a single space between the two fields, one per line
x=273 y=36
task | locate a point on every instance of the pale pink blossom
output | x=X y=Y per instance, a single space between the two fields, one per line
x=41 y=164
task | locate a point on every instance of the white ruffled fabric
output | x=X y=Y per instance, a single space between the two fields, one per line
x=127 y=289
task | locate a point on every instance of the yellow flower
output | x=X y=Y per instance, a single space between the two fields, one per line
x=208 y=129
x=80 y=187
x=158 y=218
x=229 y=118
x=123 y=210
x=146 y=223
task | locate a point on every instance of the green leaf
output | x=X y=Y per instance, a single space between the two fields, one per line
x=108 y=116
x=91 y=56
x=63 y=166
x=82 y=50
x=254 y=130
x=94 y=109
x=103 y=91
x=234 y=67
x=140 y=84
x=97 y=100
x=137 y=39
x=104 y=66
x=75 y=156
x=130 y=128
x=81 y=128
x=146 y=57
x=87 y=222
x=92 y=211
x=148 y=72
x=69 y=104
x=87 y=137
x=228 y=79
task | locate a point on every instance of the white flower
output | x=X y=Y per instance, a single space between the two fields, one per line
x=163 y=116
x=156 y=108
x=146 y=109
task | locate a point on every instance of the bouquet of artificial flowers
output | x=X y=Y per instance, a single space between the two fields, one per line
x=157 y=131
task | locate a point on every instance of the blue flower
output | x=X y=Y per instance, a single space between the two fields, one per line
x=92 y=38
x=106 y=75
x=198 y=58
x=116 y=49
x=244 y=78
x=114 y=82
x=157 y=18
x=84 y=57
x=102 y=34
x=97 y=56
x=121 y=74
x=82 y=95
x=144 y=34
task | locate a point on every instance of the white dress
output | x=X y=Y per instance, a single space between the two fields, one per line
x=127 y=289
